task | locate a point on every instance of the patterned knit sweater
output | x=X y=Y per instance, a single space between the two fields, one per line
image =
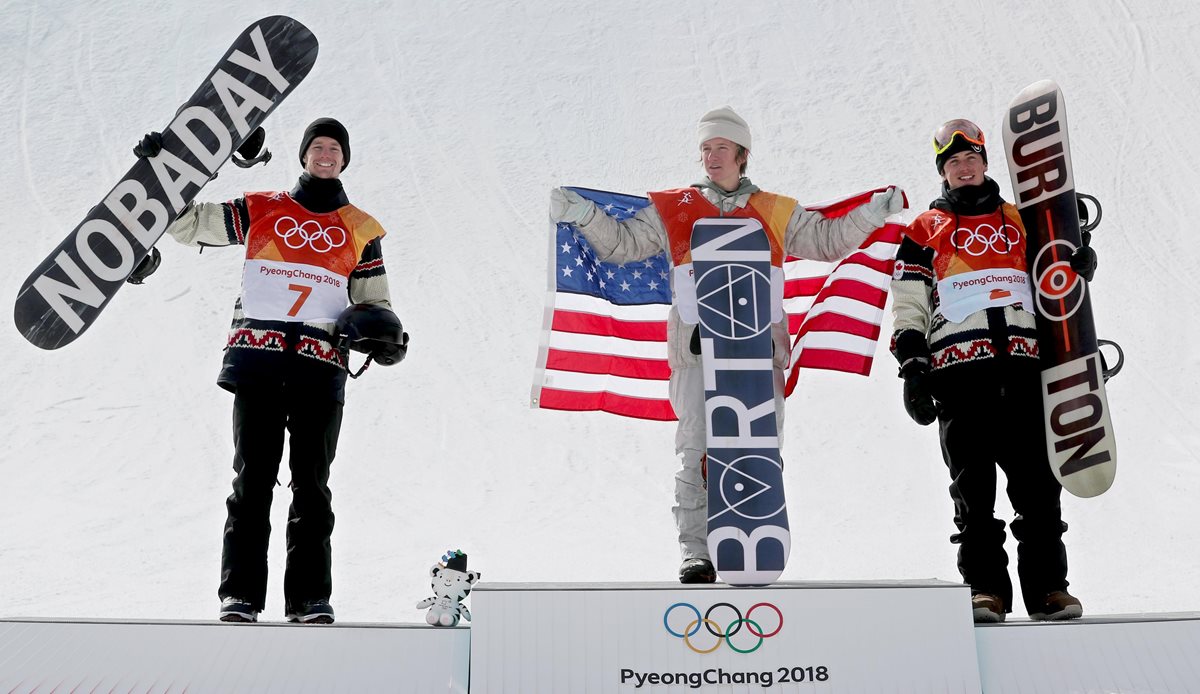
x=976 y=222
x=270 y=353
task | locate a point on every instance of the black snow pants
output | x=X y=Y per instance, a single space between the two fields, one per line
x=260 y=418
x=995 y=418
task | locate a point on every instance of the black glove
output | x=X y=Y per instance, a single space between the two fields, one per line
x=150 y=145
x=251 y=152
x=145 y=268
x=1083 y=260
x=918 y=403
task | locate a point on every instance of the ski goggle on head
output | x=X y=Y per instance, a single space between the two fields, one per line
x=944 y=136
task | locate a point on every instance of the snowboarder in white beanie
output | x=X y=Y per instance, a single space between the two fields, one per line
x=666 y=225
x=723 y=122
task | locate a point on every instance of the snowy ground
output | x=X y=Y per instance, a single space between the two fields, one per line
x=462 y=116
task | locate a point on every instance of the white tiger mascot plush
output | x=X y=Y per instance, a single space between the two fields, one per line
x=451 y=585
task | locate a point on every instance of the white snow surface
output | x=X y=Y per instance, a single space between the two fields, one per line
x=462 y=116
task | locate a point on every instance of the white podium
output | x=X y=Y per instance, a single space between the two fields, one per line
x=1094 y=655
x=879 y=637
x=159 y=656
x=843 y=638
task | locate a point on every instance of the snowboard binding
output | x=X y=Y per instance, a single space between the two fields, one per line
x=1105 y=371
x=1086 y=225
x=252 y=151
x=146 y=267
x=1086 y=204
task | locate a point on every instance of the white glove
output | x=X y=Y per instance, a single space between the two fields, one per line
x=570 y=207
x=884 y=204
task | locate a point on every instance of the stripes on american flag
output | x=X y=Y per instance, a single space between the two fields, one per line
x=604 y=338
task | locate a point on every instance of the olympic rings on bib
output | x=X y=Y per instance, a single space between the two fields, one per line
x=309 y=233
x=978 y=241
x=714 y=628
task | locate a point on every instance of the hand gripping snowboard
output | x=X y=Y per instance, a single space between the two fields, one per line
x=748 y=537
x=66 y=293
x=1079 y=436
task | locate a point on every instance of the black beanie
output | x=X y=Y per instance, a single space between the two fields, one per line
x=326 y=127
x=958 y=144
x=455 y=560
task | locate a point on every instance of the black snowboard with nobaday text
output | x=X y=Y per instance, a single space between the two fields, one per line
x=68 y=290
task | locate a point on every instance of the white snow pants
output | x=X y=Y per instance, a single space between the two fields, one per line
x=691 y=497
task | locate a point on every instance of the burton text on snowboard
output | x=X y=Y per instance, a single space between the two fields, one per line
x=1079 y=435
x=748 y=536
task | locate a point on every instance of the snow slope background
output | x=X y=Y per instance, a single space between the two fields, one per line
x=462 y=116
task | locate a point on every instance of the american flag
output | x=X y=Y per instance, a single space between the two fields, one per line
x=604 y=339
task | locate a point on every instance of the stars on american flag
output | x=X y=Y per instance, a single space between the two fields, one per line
x=635 y=283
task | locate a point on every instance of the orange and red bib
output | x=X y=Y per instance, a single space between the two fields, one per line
x=298 y=263
x=978 y=262
x=681 y=208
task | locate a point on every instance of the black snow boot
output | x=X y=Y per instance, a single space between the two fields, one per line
x=697 y=571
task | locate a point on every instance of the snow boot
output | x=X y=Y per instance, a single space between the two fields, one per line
x=238 y=610
x=987 y=608
x=1056 y=606
x=311 y=612
x=697 y=571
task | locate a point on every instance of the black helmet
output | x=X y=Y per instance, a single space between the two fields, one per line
x=373 y=330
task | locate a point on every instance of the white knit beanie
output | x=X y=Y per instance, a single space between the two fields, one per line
x=723 y=122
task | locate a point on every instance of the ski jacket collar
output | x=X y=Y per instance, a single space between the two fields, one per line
x=319 y=195
x=970 y=200
x=727 y=200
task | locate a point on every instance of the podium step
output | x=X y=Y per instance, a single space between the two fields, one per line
x=1093 y=655
x=161 y=656
x=834 y=637
x=877 y=636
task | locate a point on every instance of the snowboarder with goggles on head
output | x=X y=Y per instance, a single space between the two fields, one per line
x=967 y=342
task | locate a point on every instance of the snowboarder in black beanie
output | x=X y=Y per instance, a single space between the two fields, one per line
x=326 y=127
x=309 y=255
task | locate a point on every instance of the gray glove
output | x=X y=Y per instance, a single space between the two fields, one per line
x=570 y=207
x=883 y=205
